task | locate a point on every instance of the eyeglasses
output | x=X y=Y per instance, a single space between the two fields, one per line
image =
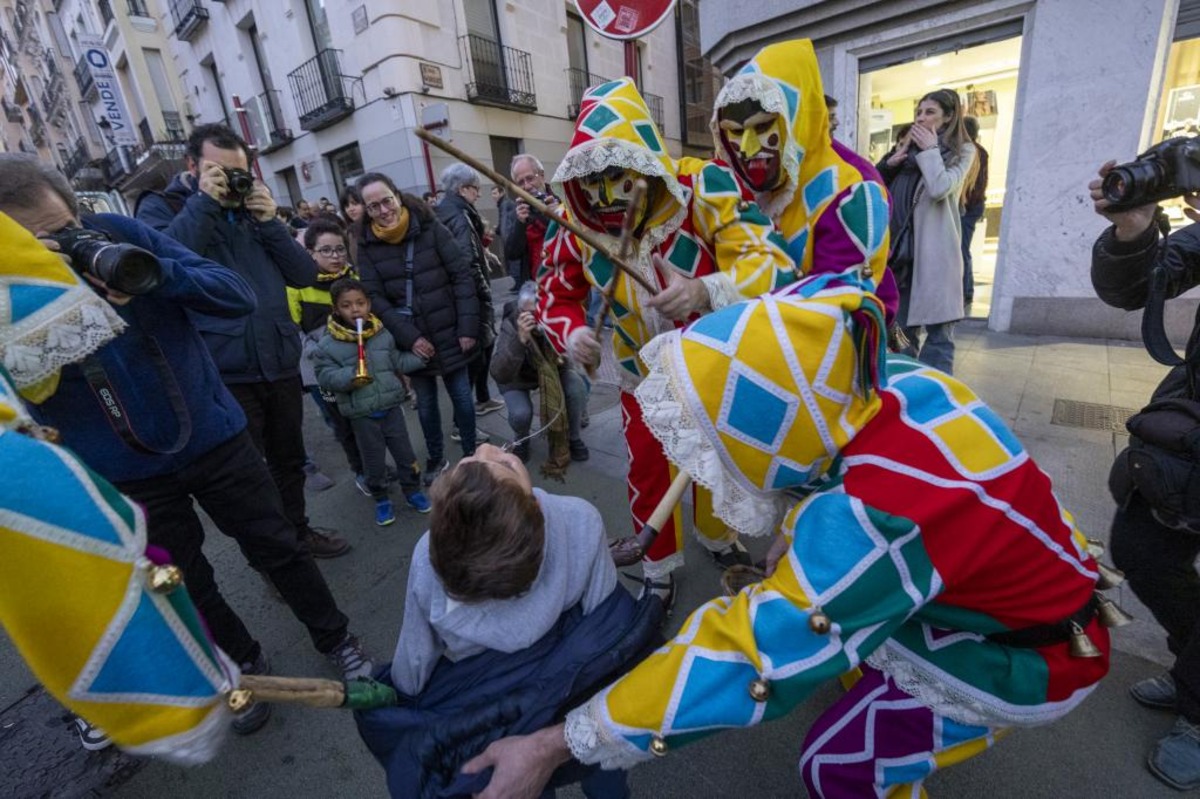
x=331 y=252
x=387 y=203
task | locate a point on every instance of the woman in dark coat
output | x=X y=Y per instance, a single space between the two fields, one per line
x=457 y=212
x=422 y=290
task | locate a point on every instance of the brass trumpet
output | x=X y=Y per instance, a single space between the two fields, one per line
x=361 y=376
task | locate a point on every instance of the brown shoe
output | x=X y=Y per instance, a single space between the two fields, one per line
x=324 y=543
x=625 y=551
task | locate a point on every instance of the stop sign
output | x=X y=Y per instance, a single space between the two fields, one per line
x=624 y=19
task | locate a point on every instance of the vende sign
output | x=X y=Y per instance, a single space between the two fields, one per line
x=624 y=19
x=112 y=102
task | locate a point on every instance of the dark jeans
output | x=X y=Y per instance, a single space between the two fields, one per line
x=377 y=437
x=340 y=426
x=274 y=420
x=458 y=386
x=937 y=346
x=969 y=220
x=1160 y=565
x=520 y=405
x=478 y=372
x=234 y=488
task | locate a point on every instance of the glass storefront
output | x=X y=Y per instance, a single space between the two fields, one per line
x=1179 y=107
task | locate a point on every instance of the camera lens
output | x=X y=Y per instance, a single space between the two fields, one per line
x=126 y=268
x=1134 y=184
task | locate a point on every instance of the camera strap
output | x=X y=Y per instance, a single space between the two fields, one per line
x=118 y=417
x=1154 y=332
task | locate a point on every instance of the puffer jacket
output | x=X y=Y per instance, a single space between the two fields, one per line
x=335 y=362
x=461 y=219
x=512 y=364
x=444 y=306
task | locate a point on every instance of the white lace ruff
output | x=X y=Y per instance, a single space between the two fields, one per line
x=722 y=291
x=589 y=740
x=663 y=398
x=961 y=706
x=598 y=155
x=49 y=339
x=753 y=86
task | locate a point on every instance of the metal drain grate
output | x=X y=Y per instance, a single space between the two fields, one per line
x=1090 y=415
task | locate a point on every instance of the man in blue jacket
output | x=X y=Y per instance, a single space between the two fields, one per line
x=217 y=211
x=147 y=409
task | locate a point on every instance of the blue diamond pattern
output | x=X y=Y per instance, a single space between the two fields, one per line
x=25 y=300
x=755 y=412
x=825 y=565
x=820 y=189
x=710 y=678
x=796 y=247
x=776 y=631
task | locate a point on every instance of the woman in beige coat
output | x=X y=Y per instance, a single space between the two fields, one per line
x=927 y=173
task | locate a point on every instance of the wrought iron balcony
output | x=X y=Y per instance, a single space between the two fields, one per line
x=655 y=104
x=321 y=91
x=264 y=115
x=37 y=128
x=498 y=75
x=173 y=126
x=106 y=12
x=78 y=159
x=137 y=8
x=83 y=77
x=579 y=82
x=116 y=165
x=189 y=17
x=12 y=112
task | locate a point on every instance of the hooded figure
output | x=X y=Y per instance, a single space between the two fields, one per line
x=697 y=238
x=917 y=541
x=770 y=122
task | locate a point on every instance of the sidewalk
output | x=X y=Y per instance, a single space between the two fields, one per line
x=1097 y=751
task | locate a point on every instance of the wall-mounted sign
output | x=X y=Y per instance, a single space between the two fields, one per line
x=431 y=75
x=624 y=19
x=112 y=101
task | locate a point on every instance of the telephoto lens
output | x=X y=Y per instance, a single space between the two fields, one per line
x=122 y=267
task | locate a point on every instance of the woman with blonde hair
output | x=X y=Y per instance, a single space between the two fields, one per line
x=928 y=173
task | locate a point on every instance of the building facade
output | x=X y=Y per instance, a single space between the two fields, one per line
x=329 y=89
x=1059 y=87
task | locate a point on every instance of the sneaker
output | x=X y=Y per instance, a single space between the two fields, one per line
x=492 y=405
x=432 y=470
x=91 y=737
x=383 y=512
x=1155 y=692
x=418 y=502
x=1176 y=758
x=254 y=717
x=733 y=555
x=315 y=479
x=480 y=436
x=324 y=543
x=360 y=482
x=349 y=658
x=521 y=450
x=579 y=450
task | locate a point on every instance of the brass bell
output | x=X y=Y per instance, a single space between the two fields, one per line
x=240 y=699
x=1095 y=547
x=819 y=622
x=1081 y=645
x=164 y=579
x=867 y=271
x=743 y=206
x=1110 y=613
x=760 y=690
x=1109 y=577
x=658 y=747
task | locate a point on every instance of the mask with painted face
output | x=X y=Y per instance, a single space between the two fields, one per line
x=754 y=139
x=608 y=195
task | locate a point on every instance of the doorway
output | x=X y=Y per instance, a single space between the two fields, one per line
x=985 y=77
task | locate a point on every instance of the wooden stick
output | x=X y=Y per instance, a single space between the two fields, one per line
x=301 y=690
x=624 y=248
x=583 y=233
x=666 y=506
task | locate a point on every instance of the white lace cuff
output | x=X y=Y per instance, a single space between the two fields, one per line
x=590 y=742
x=722 y=291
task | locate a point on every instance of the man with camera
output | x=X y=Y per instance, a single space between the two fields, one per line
x=1155 y=535
x=523 y=242
x=132 y=390
x=219 y=211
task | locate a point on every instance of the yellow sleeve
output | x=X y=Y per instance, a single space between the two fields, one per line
x=293 y=297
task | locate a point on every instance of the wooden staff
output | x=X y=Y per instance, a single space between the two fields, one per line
x=587 y=236
x=666 y=506
x=624 y=249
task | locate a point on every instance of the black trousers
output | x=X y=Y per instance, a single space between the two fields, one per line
x=231 y=483
x=1160 y=565
x=275 y=420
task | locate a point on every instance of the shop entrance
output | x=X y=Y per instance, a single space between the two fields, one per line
x=985 y=77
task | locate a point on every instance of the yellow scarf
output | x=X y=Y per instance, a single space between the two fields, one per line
x=347 y=271
x=394 y=234
x=343 y=332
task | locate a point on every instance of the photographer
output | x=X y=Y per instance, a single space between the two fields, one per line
x=217 y=210
x=1151 y=541
x=524 y=235
x=132 y=390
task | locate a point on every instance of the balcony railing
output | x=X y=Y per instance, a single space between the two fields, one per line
x=116 y=163
x=137 y=8
x=83 y=76
x=321 y=91
x=189 y=17
x=37 y=128
x=264 y=115
x=173 y=126
x=655 y=104
x=106 y=12
x=579 y=82
x=12 y=112
x=78 y=159
x=498 y=75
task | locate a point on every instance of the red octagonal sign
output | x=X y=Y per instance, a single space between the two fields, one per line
x=624 y=19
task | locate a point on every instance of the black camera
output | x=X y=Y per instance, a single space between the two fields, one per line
x=240 y=183
x=1168 y=169
x=122 y=267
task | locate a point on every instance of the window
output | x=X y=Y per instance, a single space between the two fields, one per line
x=210 y=66
x=699 y=80
x=319 y=24
x=137 y=8
x=346 y=164
x=576 y=43
x=60 y=35
x=158 y=76
x=288 y=178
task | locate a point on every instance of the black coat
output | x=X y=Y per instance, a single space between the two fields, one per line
x=461 y=219
x=444 y=307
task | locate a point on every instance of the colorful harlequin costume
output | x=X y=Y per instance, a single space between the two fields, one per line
x=916 y=527
x=698 y=222
x=832 y=205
